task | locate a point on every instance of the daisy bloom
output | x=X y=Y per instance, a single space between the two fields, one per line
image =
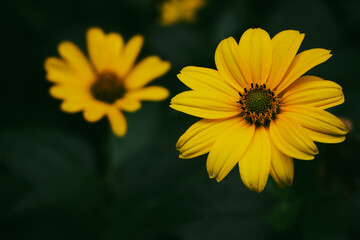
x=107 y=84
x=258 y=110
x=173 y=11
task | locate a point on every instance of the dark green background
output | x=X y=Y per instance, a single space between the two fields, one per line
x=64 y=178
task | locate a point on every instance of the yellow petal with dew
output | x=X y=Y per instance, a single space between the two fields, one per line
x=131 y=51
x=76 y=60
x=320 y=125
x=256 y=55
x=205 y=104
x=145 y=71
x=227 y=63
x=302 y=63
x=199 y=138
x=117 y=121
x=228 y=148
x=255 y=164
x=104 y=49
x=285 y=46
x=199 y=78
x=282 y=167
x=291 y=139
x=313 y=91
x=152 y=93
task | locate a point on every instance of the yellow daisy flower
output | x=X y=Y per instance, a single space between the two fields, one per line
x=259 y=111
x=109 y=82
x=173 y=11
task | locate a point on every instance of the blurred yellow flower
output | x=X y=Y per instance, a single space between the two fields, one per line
x=109 y=82
x=259 y=111
x=173 y=11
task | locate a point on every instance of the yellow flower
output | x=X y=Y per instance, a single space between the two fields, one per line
x=173 y=11
x=109 y=82
x=259 y=111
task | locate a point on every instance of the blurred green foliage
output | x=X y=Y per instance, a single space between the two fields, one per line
x=64 y=178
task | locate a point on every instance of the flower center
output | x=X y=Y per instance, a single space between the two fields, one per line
x=108 y=87
x=259 y=105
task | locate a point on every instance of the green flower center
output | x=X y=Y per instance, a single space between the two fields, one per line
x=108 y=87
x=258 y=101
x=259 y=105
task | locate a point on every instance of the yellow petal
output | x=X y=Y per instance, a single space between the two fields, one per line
x=145 y=71
x=227 y=62
x=285 y=46
x=313 y=91
x=256 y=55
x=255 y=164
x=320 y=125
x=228 y=148
x=58 y=71
x=198 y=78
x=117 y=121
x=129 y=55
x=76 y=60
x=302 y=63
x=291 y=139
x=72 y=106
x=282 y=167
x=205 y=104
x=104 y=50
x=128 y=104
x=153 y=93
x=323 y=137
x=68 y=92
x=198 y=139
x=94 y=111
x=95 y=43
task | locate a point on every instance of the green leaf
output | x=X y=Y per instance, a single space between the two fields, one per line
x=278 y=192
x=142 y=127
x=39 y=154
x=56 y=165
x=284 y=214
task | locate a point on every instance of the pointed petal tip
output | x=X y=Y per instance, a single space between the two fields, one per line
x=289 y=182
x=210 y=172
x=328 y=53
x=310 y=158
